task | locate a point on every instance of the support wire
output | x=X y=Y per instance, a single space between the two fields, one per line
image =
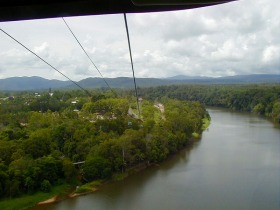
x=86 y=91
x=87 y=55
x=132 y=67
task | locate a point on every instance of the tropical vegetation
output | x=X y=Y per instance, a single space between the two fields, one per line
x=48 y=139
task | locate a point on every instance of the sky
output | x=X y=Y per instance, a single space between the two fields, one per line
x=236 y=38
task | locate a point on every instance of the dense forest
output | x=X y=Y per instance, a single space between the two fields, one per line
x=261 y=99
x=44 y=135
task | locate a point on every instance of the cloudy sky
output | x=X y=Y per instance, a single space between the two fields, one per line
x=241 y=37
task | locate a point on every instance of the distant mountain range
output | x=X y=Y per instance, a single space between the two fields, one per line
x=38 y=83
x=31 y=83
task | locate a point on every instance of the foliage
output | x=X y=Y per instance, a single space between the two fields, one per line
x=43 y=135
x=89 y=187
x=262 y=99
x=45 y=186
x=30 y=200
x=206 y=122
x=97 y=168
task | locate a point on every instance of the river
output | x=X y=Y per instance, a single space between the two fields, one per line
x=236 y=165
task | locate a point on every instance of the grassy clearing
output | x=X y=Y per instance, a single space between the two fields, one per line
x=89 y=187
x=27 y=201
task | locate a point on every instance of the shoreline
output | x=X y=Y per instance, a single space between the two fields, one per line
x=58 y=198
x=50 y=200
x=95 y=185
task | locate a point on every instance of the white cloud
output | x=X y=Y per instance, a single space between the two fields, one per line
x=271 y=54
x=42 y=48
x=228 y=51
x=241 y=37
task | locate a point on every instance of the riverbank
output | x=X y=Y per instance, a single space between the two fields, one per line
x=62 y=192
x=51 y=200
x=86 y=188
x=97 y=184
x=28 y=201
x=205 y=124
x=244 y=181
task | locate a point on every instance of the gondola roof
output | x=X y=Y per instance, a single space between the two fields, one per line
x=14 y=10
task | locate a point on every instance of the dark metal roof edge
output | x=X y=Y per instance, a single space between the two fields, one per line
x=15 y=10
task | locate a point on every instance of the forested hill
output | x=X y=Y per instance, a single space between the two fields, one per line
x=261 y=99
x=38 y=83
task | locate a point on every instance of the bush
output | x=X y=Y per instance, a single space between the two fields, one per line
x=45 y=186
x=97 y=168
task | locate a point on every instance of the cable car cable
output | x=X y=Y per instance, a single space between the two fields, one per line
x=88 y=55
x=132 y=67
